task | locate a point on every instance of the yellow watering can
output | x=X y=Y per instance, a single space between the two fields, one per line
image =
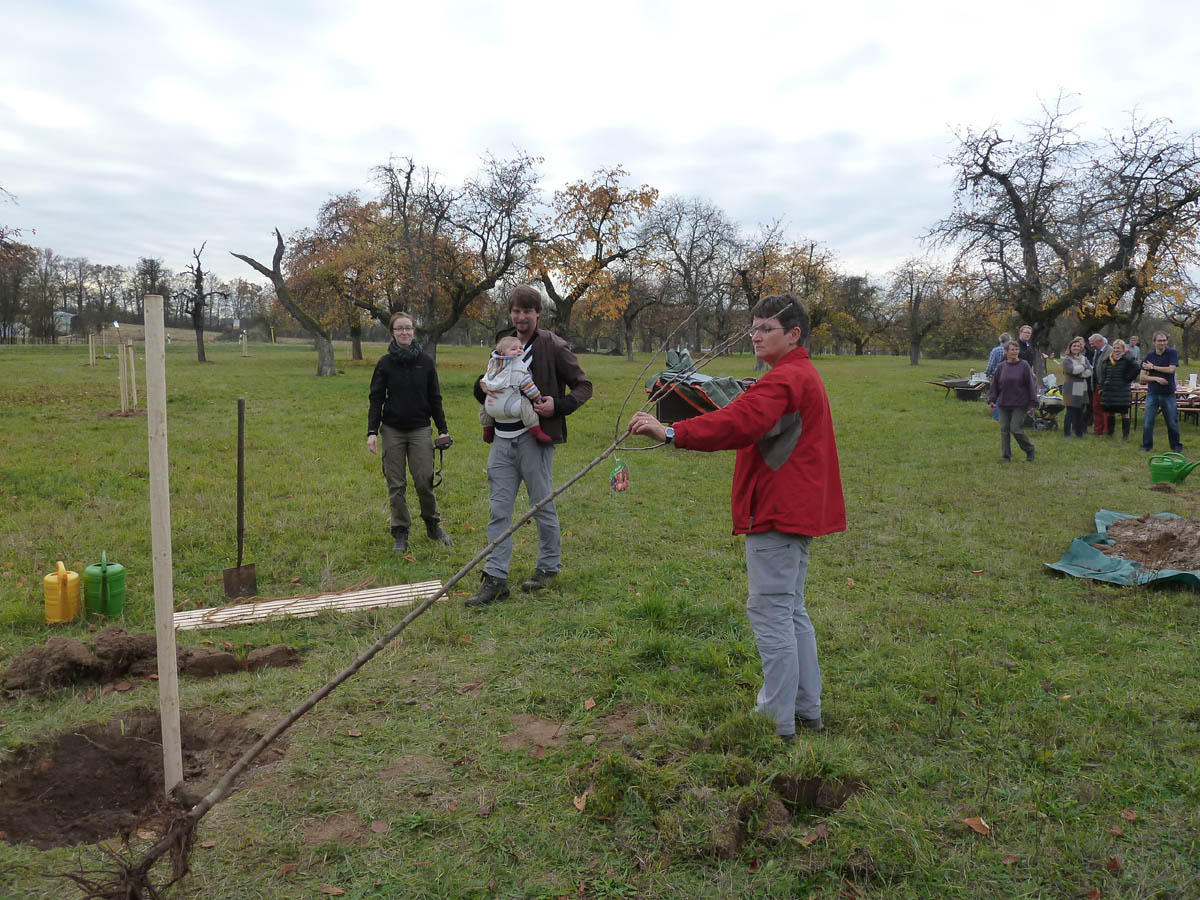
x=62 y=595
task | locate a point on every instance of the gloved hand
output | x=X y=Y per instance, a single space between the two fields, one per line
x=443 y=442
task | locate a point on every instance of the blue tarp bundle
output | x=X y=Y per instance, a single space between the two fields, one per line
x=1083 y=560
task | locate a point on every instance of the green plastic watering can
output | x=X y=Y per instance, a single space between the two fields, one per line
x=1171 y=467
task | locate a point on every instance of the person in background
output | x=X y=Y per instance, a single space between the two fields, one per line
x=1134 y=349
x=1097 y=350
x=787 y=489
x=1158 y=374
x=404 y=396
x=1028 y=351
x=997 y=355
x=1014 y=392
x=1117 y=372
x=1076 y=372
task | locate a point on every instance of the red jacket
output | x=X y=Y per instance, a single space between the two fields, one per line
x=804 y=495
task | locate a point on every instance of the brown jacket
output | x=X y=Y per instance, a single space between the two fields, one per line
x=557 y=374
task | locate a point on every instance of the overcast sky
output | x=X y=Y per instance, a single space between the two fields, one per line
x=134 y=128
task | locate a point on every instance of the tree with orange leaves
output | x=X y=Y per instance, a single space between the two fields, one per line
x=592 y=226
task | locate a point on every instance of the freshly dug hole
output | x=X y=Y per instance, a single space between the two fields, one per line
x=101 y=781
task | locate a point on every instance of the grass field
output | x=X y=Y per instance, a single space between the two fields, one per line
x=963 y=679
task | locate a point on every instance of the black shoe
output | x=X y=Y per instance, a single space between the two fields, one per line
x=401 y=544
x=438 y=534
x=810 y=724
x=538 y=580
x=1029 y=456
x=490 y=590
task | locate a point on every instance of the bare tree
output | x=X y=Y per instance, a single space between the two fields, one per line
x=915 y=293
x=320 y=334
x=196 y=297
x=1064 y=224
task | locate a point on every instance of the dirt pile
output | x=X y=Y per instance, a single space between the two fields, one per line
x=115 y=653
x=1156 y=543
x=107 y=780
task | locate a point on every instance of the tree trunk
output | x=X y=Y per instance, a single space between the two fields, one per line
x=198 y=327
x=914 y=353
x=320 y=334
x=356 y=342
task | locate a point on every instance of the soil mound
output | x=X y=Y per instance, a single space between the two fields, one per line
x=1156 y=543
x=102 y=781
x=115 y=652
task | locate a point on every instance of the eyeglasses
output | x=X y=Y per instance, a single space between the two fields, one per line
x=403 y=328
x=766 y=329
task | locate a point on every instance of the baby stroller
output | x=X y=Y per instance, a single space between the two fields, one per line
x=1050 y=404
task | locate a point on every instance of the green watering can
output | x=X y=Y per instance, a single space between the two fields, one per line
x=1172 y=467
x=104 y=587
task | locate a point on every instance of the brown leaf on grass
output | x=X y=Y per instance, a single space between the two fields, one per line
x=154 y=676
x=147 y=835
x=819 y=833
x=1094 y=894
x=286 y=869
x=408 y=557
x=1008 y=860
x=354 y=733
x=423 y=863
x=471 y=688
x=930 y=698
x=452 y=806
x=207 y=845
x=462 y=761
x=537 y=751
x=850 y=890
x=331 y=890
x=589 y=739
x=227 y=645
x=1129 y=815
x=977 y=571
x=468 y=527
x=123 y=686
x=589 y=703
x=380 y=827
x=581 y=801
x=486 y=809
x=1115 y=831
x=574 y=670
x=1114 y=865
x=754 y=866
x=850 y=582
x=977 y=825
x=294 y=581
x=466 y=639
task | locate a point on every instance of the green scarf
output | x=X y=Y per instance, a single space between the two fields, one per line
x=404 y=355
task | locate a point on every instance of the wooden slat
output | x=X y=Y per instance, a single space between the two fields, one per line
x=299 y=607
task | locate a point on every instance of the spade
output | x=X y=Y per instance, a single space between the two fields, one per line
x=242 y=580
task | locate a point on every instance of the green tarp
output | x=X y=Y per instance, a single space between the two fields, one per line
x=1083 y=560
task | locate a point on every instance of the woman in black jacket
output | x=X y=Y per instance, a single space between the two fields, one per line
x=404 y=396
x=1115 y=372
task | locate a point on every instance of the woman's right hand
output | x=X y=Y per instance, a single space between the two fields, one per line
x=373 y=443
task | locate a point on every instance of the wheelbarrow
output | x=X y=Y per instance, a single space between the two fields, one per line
x=1170 y=467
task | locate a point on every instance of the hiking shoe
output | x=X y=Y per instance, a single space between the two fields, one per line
x=438 y=534
x=401 y=544
x=810 y=724
x=490 y=590
x=538 y=580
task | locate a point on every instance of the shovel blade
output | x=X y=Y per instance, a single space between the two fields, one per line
x=240 y=581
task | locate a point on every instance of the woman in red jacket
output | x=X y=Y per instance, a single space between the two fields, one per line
x=787 y=489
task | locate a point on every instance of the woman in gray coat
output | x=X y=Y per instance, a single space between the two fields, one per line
x=1076 y=372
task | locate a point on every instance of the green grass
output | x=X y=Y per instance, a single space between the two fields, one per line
x=1045 y=705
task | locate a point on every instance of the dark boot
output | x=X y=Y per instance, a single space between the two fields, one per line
x=401 y=540
x=491 y=589
x=435 y=532
x=1125 y=428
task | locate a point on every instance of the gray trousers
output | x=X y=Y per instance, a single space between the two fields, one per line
x=1012 y=422
x=776 y=566
x=415 y=448
x=510 y=462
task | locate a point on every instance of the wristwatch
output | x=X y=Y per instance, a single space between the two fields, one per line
x=670 y=435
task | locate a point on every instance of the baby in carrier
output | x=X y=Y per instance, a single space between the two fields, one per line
x=511 y=394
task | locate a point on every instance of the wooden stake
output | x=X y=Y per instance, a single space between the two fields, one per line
x=121 y=377
x=245 y=346
x=91 y=349
x=160 y=533
x=133 y=374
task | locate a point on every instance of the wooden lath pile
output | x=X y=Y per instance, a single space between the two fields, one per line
x=355 y=601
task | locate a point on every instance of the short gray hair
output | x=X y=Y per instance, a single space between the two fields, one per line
x=1005 y=338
